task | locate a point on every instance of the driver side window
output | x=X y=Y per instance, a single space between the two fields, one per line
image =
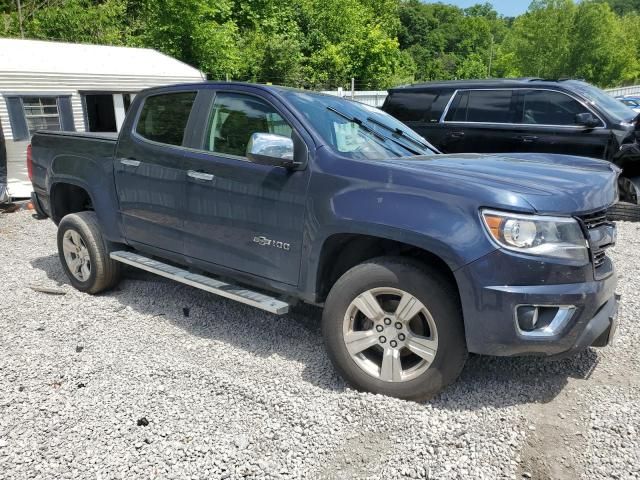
x=235 y=117
x=544 y=107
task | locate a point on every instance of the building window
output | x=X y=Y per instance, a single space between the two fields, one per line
x=41 y=113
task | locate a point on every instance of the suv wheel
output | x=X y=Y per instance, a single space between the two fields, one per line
x=394 y=326
x=627 y=209
x=84 y=254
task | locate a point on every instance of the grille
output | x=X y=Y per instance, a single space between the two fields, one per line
x=595 y=220
x=592 y=222
x=598 y=258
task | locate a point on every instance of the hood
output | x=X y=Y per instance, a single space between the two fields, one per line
x=549 y=183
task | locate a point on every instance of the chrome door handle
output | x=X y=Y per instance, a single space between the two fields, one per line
x=130 y=162
x=528 y=138
x=200 y=175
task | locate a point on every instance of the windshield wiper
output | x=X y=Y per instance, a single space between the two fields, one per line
x=379 y=135
x=366 y=127
x=403 y=134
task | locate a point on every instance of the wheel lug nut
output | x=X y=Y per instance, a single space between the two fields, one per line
x=379 y=328
x=398 y=325
x=383 y=339
x=387 y=321
x=393 y=343
x=401 y=337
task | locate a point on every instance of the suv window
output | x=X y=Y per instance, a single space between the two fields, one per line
x=545 y=107
x=164 y=117
x=481 y=106
x=418 y=106
x=235 y=117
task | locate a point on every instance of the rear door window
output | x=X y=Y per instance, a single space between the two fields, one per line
x=546 y=107
x=418 y=106
x=164 y=117
x=482 y=106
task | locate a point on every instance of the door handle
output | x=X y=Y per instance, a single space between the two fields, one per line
x=200 y=175
x=528 y=138
x=130 y=162
x=456 y=135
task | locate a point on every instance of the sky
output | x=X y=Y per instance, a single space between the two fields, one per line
x=510 y=8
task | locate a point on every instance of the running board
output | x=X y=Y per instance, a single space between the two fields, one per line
x=233 y=292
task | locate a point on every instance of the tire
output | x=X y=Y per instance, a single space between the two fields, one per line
x=438 y=325
x=91 y=250
x=624 y=212
x=40 y=213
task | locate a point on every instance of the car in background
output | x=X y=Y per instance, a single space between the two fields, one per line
x=632 y=103
x=568 y=117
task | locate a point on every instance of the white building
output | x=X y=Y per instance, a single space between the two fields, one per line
x=65 y=86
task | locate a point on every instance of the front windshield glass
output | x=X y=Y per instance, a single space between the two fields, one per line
x=605 y=101
x=356 y=130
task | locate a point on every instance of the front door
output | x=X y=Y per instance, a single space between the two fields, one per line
x=149 y=172
x=549 y=125
x=242 y=215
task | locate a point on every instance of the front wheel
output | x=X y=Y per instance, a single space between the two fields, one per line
x=628 y=208
x=394 y=326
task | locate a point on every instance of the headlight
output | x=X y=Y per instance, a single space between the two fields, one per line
x=556 y=237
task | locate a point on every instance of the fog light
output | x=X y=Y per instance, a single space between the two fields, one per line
x=542 y=320
x=527 y=318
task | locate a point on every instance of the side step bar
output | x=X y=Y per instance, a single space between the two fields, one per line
x=233 y=292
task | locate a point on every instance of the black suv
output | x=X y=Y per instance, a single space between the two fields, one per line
x=527 y=115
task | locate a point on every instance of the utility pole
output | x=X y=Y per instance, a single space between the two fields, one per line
x=490 y=56
x=20 y=18
x=353 y=88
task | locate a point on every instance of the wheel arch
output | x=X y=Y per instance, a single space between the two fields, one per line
x=342 y=251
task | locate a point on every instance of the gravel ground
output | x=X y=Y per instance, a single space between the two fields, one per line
x=159 y=380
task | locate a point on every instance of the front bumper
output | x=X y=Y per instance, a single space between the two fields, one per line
x=493 y=287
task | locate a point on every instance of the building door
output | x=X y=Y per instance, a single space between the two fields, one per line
x=105 y=111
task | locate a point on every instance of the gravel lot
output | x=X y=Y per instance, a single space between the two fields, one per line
x=159 y=380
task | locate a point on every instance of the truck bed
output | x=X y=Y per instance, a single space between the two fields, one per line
x=79 y=158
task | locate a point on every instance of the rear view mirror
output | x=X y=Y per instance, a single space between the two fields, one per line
x=271 y=149
x=587 y=120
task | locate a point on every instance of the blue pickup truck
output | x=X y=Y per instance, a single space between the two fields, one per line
x=272 y=196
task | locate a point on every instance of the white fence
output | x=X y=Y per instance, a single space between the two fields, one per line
x=375 y=98
x=622 y=91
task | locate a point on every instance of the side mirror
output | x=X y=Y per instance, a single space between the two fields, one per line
x=587 y=120
x=271 y=149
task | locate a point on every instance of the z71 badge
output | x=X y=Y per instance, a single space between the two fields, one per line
x=267 y=242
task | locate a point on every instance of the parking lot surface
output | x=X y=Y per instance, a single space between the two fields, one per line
x=159 y=380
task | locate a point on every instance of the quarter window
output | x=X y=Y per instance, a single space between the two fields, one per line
x=41 y=113
x=235 y=117
x=544 y=107
x=164 y=117
x=481 y=106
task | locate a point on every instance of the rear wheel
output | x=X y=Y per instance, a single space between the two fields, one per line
x=84 y=254
x=393 y=326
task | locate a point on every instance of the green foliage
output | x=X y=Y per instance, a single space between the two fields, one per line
x=323 y=44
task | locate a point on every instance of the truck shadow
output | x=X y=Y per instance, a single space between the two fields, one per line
x=485 y=381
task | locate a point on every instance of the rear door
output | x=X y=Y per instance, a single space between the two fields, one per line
x=548 y=125
x=481 y=121
x=242 y=215
x=149 y=172
x=421 y=110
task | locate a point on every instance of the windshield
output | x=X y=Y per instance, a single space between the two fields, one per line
x=356 y=130
x=605 y=101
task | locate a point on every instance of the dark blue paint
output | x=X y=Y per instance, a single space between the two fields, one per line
x=431 y=203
